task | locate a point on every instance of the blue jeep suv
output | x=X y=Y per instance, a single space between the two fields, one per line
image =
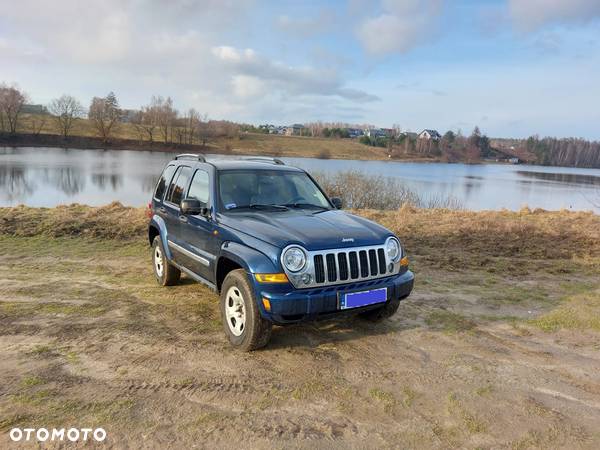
x=269 y=240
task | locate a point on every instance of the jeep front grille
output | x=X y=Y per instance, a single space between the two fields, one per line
x=336 y=266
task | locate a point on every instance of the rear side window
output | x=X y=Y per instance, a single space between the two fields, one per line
x=180 y=180
x=162 y=184
x=199 y=187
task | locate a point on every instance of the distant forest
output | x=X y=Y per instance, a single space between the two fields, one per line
x=564 y=152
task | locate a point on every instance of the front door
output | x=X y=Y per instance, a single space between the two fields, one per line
x=196 y=231
x=171 y=212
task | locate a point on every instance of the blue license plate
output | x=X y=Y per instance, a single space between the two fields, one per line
x=363 y=298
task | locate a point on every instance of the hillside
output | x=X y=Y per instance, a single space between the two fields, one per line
x=83 y=135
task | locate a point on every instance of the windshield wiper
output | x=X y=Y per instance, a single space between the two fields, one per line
x=261 y=206
x=306 y=205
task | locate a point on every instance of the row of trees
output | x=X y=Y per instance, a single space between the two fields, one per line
x=159 y=120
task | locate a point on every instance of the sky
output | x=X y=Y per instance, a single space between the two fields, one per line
x=515 y=68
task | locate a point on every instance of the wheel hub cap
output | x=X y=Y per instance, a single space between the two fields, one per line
x=235 y=311
x=158 y=261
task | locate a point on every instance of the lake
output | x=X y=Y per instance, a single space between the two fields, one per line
x=53 y=176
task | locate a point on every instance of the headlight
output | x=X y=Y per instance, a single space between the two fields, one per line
x=392 y=248
x=294 y=259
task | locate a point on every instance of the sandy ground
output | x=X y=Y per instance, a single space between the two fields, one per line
x=87 y=338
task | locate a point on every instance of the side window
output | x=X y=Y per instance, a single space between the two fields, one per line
x=199 y=187
x=180 y=180
x=162 y=184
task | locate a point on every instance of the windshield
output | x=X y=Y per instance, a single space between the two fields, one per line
x=280 y=189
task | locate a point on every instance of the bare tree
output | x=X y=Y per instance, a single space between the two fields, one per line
x=148 y=120
x=136 y=121
x=192 y=124
x=37 y=123
x=11 y=104
x=65 y=110
x=105 y=115
x=205 y=129
x=166 y=117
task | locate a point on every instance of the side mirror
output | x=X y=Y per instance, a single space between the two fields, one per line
x=337 y=202
x=191 y=206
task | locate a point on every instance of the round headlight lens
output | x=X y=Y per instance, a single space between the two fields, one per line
x=294 y=259
x=392 y=248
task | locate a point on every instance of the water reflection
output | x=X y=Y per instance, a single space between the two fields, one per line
x=149 y=181
x=68 y=180
x=568 y=178
x=50 y=176
x=14 y=184
x=101 y=180
x=472 y=186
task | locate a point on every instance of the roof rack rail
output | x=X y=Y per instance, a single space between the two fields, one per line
x=200 y=157
x=265 y=159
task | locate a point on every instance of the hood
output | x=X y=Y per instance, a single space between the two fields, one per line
x=313 y=231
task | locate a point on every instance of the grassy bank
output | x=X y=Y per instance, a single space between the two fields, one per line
x=497 y=346
x=83 y=135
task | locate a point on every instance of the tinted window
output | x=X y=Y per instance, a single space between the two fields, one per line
x=199 y=186
x=162 y=184
x=175 y=193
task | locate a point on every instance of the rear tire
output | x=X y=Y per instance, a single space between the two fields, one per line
x=165 y=273
x=385 y=312
x=245 y=328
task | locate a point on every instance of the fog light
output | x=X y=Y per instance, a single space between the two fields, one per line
x=306 y=278
x=266 y=304
x=391 y=267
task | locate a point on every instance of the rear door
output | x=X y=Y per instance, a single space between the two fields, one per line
x=160 y=190
x=197 y=231
x=171 y=211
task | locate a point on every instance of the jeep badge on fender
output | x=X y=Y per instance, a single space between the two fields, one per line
x=269 y=240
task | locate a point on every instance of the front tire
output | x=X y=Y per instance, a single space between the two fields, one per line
x=245 y=328
x=165 y=273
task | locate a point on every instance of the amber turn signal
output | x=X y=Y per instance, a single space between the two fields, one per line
x=271 y=277
x=404 y=261
x=266 y=304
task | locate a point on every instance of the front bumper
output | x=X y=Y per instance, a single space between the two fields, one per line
x=290 y=305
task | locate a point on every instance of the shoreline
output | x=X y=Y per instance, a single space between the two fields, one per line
x=96 y=143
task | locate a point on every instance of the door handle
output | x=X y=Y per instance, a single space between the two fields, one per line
x=183 y=218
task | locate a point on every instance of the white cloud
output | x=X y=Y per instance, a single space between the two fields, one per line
x=531 y=14
x=247 y=86
x=401 y=26
x=291 y=81
x=231 y=54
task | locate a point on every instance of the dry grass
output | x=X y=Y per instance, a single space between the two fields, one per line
x=360 y=191
x=446 y=233
x=538 y=234
x=579 y=312
x=113 y=221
